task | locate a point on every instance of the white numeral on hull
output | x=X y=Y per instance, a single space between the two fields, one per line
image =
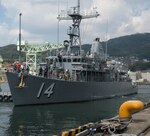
x=47 y=92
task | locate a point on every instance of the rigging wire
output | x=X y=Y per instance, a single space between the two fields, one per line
x=106 y=38
x=58 y=2
x=87 y=24
x=83 y=27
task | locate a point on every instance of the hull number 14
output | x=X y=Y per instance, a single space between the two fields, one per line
x=47 y=92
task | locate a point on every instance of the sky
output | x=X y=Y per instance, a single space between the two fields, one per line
x=39 y=19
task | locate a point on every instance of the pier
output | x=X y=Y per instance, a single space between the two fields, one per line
x=139 y=125
x=5 y=95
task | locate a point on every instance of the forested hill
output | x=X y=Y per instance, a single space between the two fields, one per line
x=130 y=45
x=9 y=53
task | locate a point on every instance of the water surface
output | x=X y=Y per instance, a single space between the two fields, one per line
x=47 y=120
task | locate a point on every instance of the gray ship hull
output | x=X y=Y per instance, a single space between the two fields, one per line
x=39 y=90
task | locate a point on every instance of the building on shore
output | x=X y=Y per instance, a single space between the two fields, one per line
x=3 y=77
x=140 y=77
x=2 y=71
x=1 y=61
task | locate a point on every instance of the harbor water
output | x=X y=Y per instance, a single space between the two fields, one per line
x=48 y=120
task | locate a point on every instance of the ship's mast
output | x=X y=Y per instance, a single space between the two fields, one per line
x=74 y=31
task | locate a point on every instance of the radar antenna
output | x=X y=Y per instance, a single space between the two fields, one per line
x=76 y=16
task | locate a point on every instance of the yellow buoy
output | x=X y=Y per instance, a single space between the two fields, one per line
x=129 y=107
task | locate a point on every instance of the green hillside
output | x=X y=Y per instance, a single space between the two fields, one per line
x=132 y=45
x=137 y=45
x=9 y=53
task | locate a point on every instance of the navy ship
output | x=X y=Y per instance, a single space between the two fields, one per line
x=71 y=74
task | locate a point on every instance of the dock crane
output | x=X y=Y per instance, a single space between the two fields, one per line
x=33 y=49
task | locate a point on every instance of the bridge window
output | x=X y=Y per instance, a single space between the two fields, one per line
x=82 y=60
x=75 y=60
x=64 y=59
x=79 y=60
x=56 y=60
x=69 y=60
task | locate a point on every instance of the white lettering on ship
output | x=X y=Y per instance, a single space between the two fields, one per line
x=47 y=92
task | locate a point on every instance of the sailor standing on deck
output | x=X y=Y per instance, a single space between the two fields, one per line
x=45 y=71
x=22 y=68
x=67 y=74
x=27 y=69
x=14 y=67
x=40 y=71
x=18 y=66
